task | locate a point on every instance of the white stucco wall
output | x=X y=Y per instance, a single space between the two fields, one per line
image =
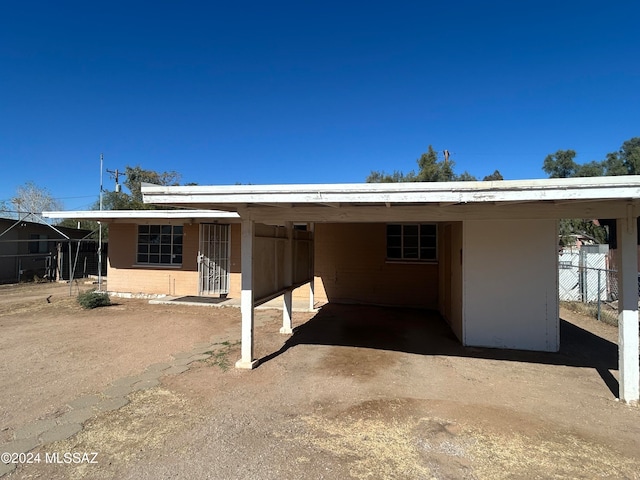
x=510 y=284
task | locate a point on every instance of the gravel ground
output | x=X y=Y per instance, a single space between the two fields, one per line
x=356 y=392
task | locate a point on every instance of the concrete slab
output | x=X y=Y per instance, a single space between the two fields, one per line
x=299 y=305
x=77 y=416
x=149 y=376
x=84 y=401
x=146 y=384
x=121 y=382
x=119 y=391
x=20 y=446
x=175 y=370
x=34 y=429
x=203 y=348
x=157 y=367
x=60 y=432
x=201 y=356
x=6 y=468
x=110 y=404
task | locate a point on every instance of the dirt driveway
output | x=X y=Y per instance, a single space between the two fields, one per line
x=356 y=392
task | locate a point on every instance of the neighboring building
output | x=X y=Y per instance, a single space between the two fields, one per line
x=31 y=250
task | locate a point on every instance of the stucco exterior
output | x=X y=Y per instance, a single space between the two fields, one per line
x=510 y=289
x=351 y=267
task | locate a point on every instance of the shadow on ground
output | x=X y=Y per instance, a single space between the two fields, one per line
x=424 y=332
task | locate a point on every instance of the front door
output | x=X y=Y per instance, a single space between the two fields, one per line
x=214 y=259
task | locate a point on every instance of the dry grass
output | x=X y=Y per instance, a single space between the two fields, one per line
x=607 y=314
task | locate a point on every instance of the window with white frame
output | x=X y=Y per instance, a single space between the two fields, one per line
x=414 y=242
x=159 y=244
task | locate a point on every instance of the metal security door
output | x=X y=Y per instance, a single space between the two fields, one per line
x=214 y=258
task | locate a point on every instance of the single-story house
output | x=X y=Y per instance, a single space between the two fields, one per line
x=484 y=254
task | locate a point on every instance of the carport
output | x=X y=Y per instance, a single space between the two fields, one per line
x=490 y=234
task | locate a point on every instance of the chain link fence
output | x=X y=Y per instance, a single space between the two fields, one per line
x=584 y=277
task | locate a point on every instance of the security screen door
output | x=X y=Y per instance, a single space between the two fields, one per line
x=214 y=258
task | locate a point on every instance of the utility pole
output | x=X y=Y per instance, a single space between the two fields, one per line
x=115 y=174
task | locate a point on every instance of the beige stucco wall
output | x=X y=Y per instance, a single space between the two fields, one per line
x=235 y=277
x=124 y=276
x=351 y=266
x=510 y=293
x=450 y=275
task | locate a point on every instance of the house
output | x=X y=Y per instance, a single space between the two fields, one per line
x=484 y=254
x=35 y=249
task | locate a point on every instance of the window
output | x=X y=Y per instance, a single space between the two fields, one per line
x=160 y=244
x=412 y=242
x=38 y=243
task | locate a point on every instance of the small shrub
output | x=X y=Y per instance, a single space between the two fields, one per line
x=93 y=299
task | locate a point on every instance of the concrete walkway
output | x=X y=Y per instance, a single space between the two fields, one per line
x=42 y=432
x=299 y=305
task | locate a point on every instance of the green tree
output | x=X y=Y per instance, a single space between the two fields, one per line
x=465 y=177
x=591 y=169
x=560 y=164
x=630 y=155
x=496 y=175
x=430 y=169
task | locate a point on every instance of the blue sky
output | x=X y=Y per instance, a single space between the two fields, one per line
x=308 y=92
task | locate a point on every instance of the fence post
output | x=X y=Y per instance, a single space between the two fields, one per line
x=599 y=297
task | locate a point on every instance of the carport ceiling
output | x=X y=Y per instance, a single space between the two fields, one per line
x=598 y=197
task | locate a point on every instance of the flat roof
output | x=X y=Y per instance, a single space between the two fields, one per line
x=140 y=215
x=227 y=197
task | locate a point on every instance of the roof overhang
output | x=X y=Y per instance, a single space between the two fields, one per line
x=139 y=216
x=597 y=197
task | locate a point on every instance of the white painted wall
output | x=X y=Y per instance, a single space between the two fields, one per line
x=510 y=284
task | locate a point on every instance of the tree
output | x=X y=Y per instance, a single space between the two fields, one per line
x=591 y=169
x=626 y=161
x=30 y=198
x=560 y=164
x=430 y=169
x=496 y=175
x=134 y=177
x=465 y=177
x=630 y=155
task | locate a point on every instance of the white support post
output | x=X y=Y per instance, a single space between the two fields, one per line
x=312 y=301
x=246 y=296
x=287 y=315
x=628 y=348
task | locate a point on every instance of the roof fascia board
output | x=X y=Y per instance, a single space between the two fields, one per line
x=415 y=192
x=107 y=215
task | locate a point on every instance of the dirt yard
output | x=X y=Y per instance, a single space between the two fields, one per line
x=356 y=392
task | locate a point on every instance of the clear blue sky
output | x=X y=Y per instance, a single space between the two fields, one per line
x=308 y=92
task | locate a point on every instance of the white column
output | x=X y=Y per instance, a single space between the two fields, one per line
x=287 y=316
x=246 y=296
x=311 y=293
x=628 y=349
x=311 y=228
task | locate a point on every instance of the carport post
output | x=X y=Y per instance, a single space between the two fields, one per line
x=246 y=296
x=312 y=272
x=287 y=321
x=628 y=348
